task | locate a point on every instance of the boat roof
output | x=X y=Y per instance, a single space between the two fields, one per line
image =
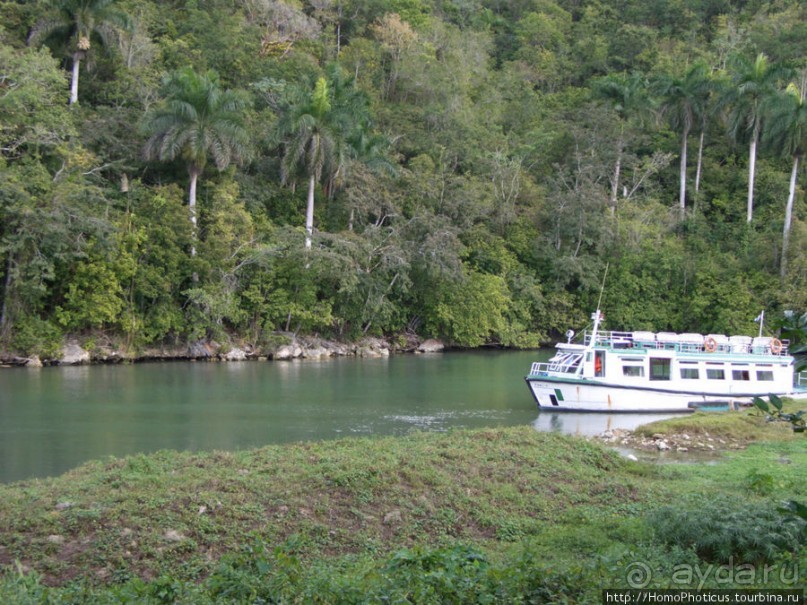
x=692 y=343
x=570 y=346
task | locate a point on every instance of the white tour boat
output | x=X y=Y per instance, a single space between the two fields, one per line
x=663 y=372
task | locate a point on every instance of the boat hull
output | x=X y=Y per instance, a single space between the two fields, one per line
x=590 y=396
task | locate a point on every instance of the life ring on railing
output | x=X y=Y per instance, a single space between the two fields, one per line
x=776 y=346
x=710 y=345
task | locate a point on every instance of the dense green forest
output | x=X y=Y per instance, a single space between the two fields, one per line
x=177 y=170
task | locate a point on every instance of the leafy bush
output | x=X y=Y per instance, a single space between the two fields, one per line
x=34 y=336
x=773 y=412
x=723 y=529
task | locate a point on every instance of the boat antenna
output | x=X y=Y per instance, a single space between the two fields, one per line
x=602 y=288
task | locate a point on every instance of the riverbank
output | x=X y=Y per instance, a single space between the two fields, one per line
x=426 y=518
x=714 y=432
x=281 y=346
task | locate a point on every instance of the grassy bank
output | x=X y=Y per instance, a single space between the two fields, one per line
x=468 y=516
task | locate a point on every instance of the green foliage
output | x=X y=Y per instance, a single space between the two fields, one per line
x=470 y=311
x=35 y=336
x=94 y=296
x=198 y=120
x=720 y=530
x=474 y=168
x=33 y=115
x=773 y=412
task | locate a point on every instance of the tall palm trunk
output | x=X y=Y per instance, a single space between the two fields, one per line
x=698 y=170
x=74 y=80
x=683 y=172
x=309 y=211
x=194 y=173
x=615 y=178
x=752 y=167
x=789 y=216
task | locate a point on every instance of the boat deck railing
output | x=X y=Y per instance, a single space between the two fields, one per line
x=542 y=368
x=689 y=343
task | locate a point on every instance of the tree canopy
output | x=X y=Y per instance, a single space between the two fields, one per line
x=461 y=171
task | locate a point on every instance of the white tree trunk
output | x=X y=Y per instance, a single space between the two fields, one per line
x=74 y=80
x=789 y=216
x=615 y=181
x=752 y=167
x=700 y=164
x=683 y=172
x=192 y=207
x=309 y=212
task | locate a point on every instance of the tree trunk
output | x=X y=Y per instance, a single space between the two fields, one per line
x=74 y=80
x=698 y=170
x=788 y=217
x=6 y=288
x=700 y=163
x=309 y=212
x=683 y=173
x=752 y=166
x=615 y=182
x=194 y=172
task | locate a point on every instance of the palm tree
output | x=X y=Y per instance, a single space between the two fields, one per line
x=683 y=102
x=627 y=95
x=787 y=133
x=752 y=83
x=197 y=120
x=315 y=129
x=79 y=22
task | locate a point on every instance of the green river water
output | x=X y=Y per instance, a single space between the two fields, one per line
x=54 y=419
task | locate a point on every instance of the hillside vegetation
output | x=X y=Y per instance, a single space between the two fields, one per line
x=226 y=169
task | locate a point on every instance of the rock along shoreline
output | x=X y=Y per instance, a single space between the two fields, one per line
x=288 y=347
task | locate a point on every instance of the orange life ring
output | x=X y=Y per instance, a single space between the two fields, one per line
x=710 y=345
x=776 y=346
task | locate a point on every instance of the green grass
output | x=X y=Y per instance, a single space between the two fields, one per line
x=499 y=512
x=746 y=426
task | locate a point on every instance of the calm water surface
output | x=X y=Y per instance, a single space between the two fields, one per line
x=54 y=419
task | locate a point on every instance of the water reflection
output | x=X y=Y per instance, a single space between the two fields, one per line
x=590 y=424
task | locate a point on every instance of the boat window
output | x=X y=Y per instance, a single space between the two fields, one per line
x=633 y=370
x=690 y=373
x=599 y=363
x=765 y=375
x=565 y=362
x=660 y=368
x=715 y=374
x=740 y=375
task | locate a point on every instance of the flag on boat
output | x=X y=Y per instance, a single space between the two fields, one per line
x=760 y=317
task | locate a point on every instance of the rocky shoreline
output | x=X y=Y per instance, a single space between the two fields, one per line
x=289 y=347
x=672 y=442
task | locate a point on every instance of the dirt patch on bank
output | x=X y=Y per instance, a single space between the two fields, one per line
x=672 y=442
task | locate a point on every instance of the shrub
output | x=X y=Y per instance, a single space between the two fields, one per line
x=724 y=529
